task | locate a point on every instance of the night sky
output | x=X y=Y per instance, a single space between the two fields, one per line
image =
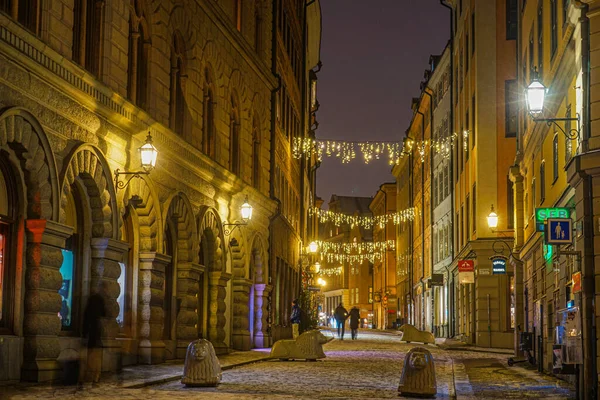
x=374 y=54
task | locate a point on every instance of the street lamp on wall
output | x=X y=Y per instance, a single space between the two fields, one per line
x=246 y=212
x=536 y=96
x=492 y=219
x=148 y=156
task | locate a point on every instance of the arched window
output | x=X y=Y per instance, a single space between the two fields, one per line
x=87 y=34
x=234 y=138
x=139 y=48
x=177 y=117
x=208 y=123
x=8 y=210
x=27 y=12
x=256 y=157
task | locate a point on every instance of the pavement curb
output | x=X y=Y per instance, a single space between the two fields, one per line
x=171 y=378
x=500 y=353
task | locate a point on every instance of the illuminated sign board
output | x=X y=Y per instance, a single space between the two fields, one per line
x=542 y=214
x=498 y=265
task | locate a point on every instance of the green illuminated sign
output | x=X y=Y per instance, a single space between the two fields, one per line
x=542 y=214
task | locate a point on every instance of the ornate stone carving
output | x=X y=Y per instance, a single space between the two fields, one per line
x=308 y=345
x=202 y=367
x=217 y=307
x=262 y=337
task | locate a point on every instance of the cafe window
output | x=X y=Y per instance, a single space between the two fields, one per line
x=66 y=290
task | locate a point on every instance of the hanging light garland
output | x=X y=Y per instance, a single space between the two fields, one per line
x=394 y=151
x=367 y=222
x=356 y=248
x=341 y=258
x=331 y=271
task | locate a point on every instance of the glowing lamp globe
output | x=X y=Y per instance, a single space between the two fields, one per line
x=246 y=210
x=313 y=247
x=148 y=154
x=492 y=219
x=536 y=95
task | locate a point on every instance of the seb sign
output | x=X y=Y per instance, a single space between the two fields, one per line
x=542 y=214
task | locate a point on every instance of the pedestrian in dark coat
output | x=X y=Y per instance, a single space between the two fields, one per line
x=354 y=319
x=95 y=311
x=340 y=315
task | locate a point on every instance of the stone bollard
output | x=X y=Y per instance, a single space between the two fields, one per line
x=202 y=367
x=418 y=374
x=308 y=346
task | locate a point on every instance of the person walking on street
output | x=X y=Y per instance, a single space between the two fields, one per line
x=95 y=311
x=354 y=318
x=296 y=318
x=340 y=316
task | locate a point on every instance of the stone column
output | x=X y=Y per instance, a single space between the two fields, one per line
x=519 y=217
x=262 y=337
x=217 y=291
x=241 y=314
x=41 y=325
x=150 y=307
x=188 y=279
x=105 y=268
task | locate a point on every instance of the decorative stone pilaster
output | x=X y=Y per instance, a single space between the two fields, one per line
x=519 y=220
x=41 y=325
x=150 y=307
x=106 y=255
x=262 y=337
x=188 y=291
x=217 y=291
x=241 y=314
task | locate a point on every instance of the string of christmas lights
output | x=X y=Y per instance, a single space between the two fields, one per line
x=394 y=151
x=340 y=258
x=360 y=248
x=363 y=221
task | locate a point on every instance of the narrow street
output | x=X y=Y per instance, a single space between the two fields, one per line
x=368 y=368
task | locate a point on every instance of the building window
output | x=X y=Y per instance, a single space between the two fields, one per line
x=208 y=123
x=467 y=219
x=234 y=138
x=257 y=32
x=542 y=182
x=237 y=14
x=139 y=48
x=67 y=270
x=555 y=158
x=510 y=204
x=533 y=197
x=473 y=134
x=526 y=203
x=472 y=33
x=87 y=34
x=553 y=27
x=568 y=142
x=511 y=19
x=8 y=210
x=256 y=158
x=511 y=108
x=177 y=118
x=540 y=33
x=474 y=196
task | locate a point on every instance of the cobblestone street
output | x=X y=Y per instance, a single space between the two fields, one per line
x=368 y=368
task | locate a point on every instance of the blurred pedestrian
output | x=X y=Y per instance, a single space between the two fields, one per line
x=354 y=318
x=296 y=318
x=340 y=317
x=95 y=310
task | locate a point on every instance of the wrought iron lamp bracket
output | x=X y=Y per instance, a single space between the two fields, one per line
x=573 y=133
x=229 y=228
x=119 y=184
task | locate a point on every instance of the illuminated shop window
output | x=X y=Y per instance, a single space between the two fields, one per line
x=121 y=299
x=66 y=290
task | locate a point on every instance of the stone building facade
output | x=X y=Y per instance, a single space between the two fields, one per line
x=82 y=83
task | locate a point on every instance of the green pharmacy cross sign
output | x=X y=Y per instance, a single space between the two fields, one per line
x=542 y=214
